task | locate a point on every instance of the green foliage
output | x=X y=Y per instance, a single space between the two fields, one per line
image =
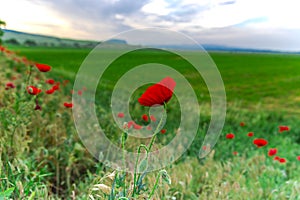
x=2 y=23
x=12 y=41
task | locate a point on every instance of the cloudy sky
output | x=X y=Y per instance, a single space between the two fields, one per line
x=268 y=24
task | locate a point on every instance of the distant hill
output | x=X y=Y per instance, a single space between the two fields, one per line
x=28 y=39
x=213 y=47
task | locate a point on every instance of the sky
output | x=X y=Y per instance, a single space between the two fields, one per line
x=263 y=24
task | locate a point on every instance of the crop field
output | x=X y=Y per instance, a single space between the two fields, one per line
x=256 y=157
x=267 y=81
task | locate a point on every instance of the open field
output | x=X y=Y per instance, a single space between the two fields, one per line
x=264 y=81
x=42 y=156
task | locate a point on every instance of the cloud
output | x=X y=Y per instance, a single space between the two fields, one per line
x=95 y=17
x=264 y=23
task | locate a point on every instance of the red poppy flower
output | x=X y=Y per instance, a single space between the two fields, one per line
x=282 y=160
x=120 y=115
x=260 y=142
x=79 y=92
x=283 y=128
x=149 y=128
x=56 y=87
x=276 y=158
x=145 y=117
x=242 y=124
x=50 y=91
x=33 y=90
x=10 y=85
x=43 y=67
x=68 y=105
x=50 y=81
x=159 y=93
x=163 y=131
x=250 y=134
x=230 y=136
x=152 y=118
x=130 y=124
x=298 y=158
x=137 y=127
x=272 y=152
x=235 y=153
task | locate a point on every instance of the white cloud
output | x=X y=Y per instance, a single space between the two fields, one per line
x=157 y=7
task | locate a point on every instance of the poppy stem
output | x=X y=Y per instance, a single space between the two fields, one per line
x=155 y=185
x=135 y=167
x=29 y=75
x=123 y=157
x=158 y=127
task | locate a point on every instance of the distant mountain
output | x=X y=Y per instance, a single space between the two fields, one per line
x=116 y=41
x=22 y=38
x=213 y=47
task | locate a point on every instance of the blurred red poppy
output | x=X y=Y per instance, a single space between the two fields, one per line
x=260 y=142
x=272 y=152
x=33 y=90
x=56 y=86
x=79 y=92
x=230 y=136
x=282 y=160
x=235 y=153
x=163 y=131
x=130 y=124
x=145 y=117
x=152 y=118
x=283 y=128
x=159 y=93
x=250 y=134
x=120 y=115
x=149 y=128
x=9 y=85
x=137 y=127
x=68 y=105
x=43 y=67
x=50 y=91
x=242 y=124
x=50 y=81
x=298 y=158
x=276 y=158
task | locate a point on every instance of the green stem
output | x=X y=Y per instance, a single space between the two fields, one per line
x=155 y=185
x=29 y=75
x=135 y=167
x=13 y=136
x=123 y=157
x=157 y=129
x=147 y=149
